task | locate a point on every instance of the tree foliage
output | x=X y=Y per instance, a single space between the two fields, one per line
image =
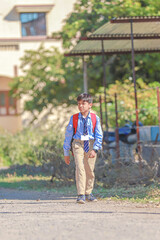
x=88 y=15
x=147 y=102
x=45 y=80
x=51 y=78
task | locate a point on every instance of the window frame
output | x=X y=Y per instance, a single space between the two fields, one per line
x=7 y=105
x=33 y=36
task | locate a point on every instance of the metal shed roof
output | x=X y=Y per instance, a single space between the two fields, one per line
x=114 y=46
x=145 y=31
x=119 y=28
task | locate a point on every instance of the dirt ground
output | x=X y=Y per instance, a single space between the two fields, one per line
x=28 y=215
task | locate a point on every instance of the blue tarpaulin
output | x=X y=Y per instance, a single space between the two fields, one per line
x=154 y=132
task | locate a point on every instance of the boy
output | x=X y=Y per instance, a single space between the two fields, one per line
x=87 y=140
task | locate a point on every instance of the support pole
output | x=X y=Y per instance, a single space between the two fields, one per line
x=117 y=127
x=135 y=90
x=158 y=101
x=100 y=102
x=15 y=71
x=136 y=101
x=104 y=85
x=85 y=83
x=105 y=101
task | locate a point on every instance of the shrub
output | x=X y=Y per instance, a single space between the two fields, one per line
x=37 y=147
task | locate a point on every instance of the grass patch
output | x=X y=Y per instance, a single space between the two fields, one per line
x=140 y=193
x=37 y=183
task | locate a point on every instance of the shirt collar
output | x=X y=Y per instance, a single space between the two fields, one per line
x=81 y=116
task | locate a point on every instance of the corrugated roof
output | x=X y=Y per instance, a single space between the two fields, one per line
x=123 y=31
x=114 y=46
x=146 y=31
x=136 y=19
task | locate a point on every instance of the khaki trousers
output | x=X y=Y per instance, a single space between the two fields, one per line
x=84 y=167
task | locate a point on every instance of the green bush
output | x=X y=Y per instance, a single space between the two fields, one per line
x=147 y=102
x=25 y=147
x=36 y=147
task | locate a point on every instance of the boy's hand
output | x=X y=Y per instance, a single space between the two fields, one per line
x=67 y=159
x=92 y=154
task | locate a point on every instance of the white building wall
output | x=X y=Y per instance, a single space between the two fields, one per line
x=61 y=10
x=8 y=59
x=9 y=19
x=10 y=34
x=10 y=30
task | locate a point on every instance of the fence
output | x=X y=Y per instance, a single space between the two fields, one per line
x=134 y=158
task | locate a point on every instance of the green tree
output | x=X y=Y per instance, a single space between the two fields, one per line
x=44 y=83
x=87 y=16
x=51 y=78
x=147 y=102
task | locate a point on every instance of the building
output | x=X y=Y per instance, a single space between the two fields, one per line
x=24 y=25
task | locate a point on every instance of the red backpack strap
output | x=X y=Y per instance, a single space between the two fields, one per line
x=75 y=122
x=93 y=117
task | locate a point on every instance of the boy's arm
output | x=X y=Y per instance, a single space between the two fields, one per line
x=98 y=135
x=67 y=159
x=67 y=141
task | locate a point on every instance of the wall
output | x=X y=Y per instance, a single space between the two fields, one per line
x=10 y=33
x=9 y=18
x=9 y=123
x=13 y=45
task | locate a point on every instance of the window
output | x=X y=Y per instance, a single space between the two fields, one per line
x=2 y=104
x=9 y=47
x=7 y=104
x=33 y=24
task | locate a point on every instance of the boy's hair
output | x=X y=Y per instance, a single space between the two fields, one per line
x=85 y=97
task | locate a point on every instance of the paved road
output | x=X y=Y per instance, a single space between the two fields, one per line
x=31 y=215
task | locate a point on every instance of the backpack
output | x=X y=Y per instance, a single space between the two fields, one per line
x=75 y=124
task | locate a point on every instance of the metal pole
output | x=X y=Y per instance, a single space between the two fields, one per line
x=100 y=102
x=135 y=90
x=104 y=85
x=15 y=71
x=105 y=101
x=117 y=127
x=158 y=101
x=136 y=101
x=85 y=84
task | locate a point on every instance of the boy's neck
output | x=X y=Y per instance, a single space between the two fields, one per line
x=85 y=114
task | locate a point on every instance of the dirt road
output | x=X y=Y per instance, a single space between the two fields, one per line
x=31 y=215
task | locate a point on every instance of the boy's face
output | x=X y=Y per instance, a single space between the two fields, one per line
x=84 y=107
